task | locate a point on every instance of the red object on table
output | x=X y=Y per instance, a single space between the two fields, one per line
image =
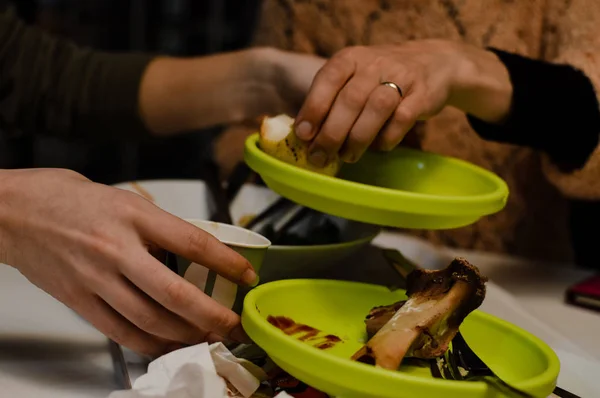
x=282 y=381
x=585 y=294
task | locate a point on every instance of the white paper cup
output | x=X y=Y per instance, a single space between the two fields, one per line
x=250 y=245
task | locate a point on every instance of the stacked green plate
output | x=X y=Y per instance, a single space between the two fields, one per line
x=404 y=188
x=408 y=189
x=339 y=308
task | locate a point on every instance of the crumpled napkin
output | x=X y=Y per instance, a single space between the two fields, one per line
x=199 y=371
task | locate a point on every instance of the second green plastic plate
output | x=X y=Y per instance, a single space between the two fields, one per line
x=404 y=188
x=339 y=308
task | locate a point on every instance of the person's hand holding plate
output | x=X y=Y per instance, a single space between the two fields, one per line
x=372 y=96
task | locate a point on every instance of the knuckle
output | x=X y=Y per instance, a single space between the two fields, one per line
x=383 y=101
x=66 y=173
x=411 y=75
x=176 y=294
x=126 y=204
x=147 y=321
x=224 y=322
x=198 y=241
x=315 y=108
x=353 y=97
x=374 y=68
x=349 y=52
x=105 y=251
x=403 y=116
x=331 y=74
x=380 y=61
x=98 y=258
x=99 y=243
x=339 y=66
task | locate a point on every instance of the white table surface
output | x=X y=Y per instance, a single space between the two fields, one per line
x=48 y=351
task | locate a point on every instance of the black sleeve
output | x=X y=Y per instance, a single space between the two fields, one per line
x=554 y=109
x=49 y=85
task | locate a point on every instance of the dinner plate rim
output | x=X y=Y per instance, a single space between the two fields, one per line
x=258 y=328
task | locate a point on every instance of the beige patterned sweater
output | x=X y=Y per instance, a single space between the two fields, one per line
x=534 y=222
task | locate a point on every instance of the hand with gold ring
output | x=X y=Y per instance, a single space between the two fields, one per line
x=372 y=96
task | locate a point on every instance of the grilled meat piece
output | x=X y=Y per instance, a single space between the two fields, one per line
x=424 y=325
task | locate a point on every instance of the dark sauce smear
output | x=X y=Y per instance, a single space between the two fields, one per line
x=303 y=332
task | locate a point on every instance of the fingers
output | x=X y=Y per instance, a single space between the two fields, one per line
x=381 y=104
x=403 y=119
x=182 y=298
x=326 y=85
x=345 y=111
x=146 y=314
x=214 y=338
x=192 y=243
x=119 y=329
x=156 y=252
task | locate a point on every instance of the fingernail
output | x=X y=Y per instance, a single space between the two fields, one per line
x=303 y=130
x=238 y=334
x=250 y=278
x=348 y=157
x=318 y=157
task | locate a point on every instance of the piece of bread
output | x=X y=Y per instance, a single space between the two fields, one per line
x=277 y=138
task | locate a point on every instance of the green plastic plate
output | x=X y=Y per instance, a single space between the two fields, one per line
x=339 y=308
x=404 y=188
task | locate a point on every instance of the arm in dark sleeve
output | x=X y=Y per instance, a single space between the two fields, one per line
x=50 y=86
x=554 y=109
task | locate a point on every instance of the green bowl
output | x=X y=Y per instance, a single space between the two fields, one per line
x=339 y=308
x=404 y=188
x=292 y=262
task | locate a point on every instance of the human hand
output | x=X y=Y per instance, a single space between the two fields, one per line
x=186 y=94
x=348 y=109
x=87 y=245
x=284 y=79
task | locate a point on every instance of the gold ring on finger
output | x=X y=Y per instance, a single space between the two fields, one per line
x=395 y=87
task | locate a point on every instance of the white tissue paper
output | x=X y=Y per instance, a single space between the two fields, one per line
x=199 y=371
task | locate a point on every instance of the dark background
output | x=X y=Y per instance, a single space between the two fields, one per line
x=175 y=27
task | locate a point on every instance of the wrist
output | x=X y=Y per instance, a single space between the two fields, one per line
x=185 y=94
x=164 y=95
x=8 y=189
x=260 y=95
x=482 y=87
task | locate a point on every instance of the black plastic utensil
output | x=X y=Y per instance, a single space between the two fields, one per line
x=462 y=355
x=296 y=214
x=477 y=370
x=465 y=357
x=222 y=212
x=275 y=207
x=238 y=178
x=120 y=366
